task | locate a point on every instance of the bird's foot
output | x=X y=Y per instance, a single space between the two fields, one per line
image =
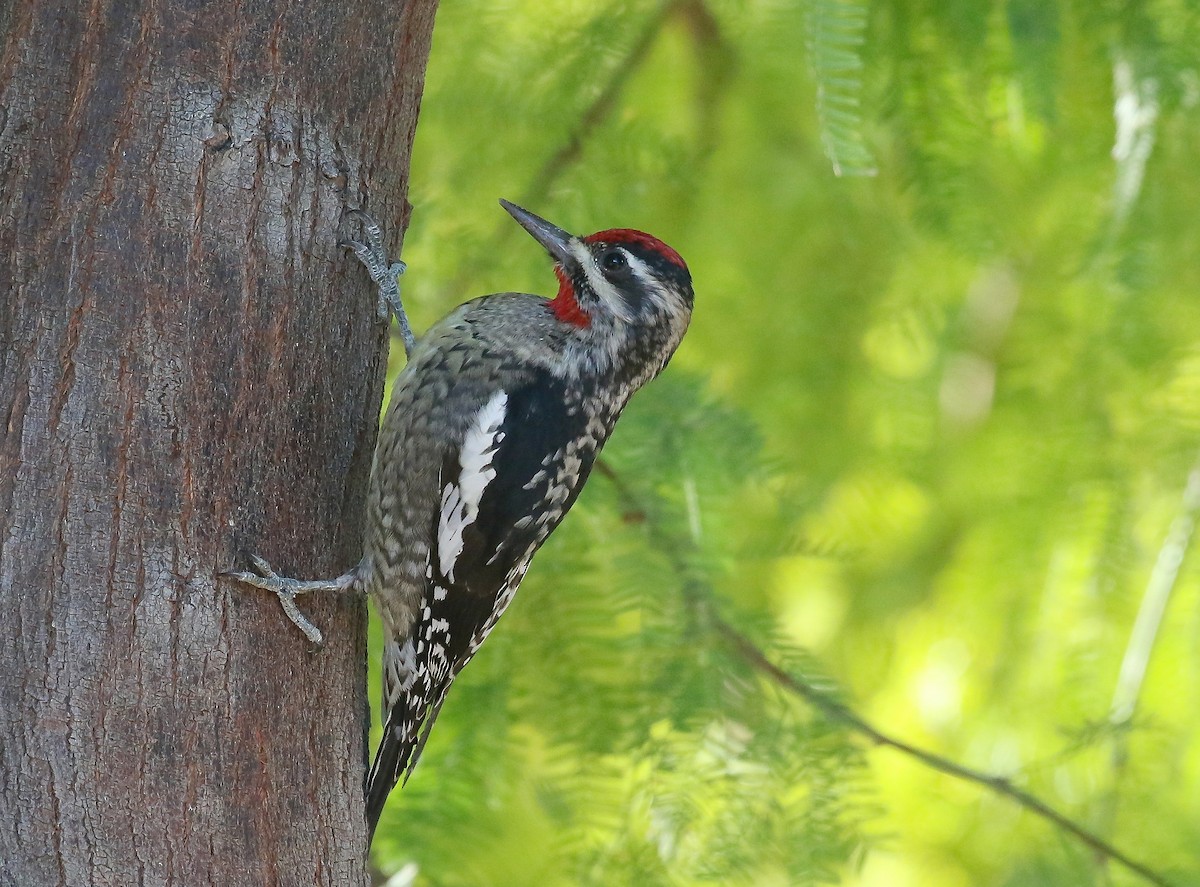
x=384 y=272
x=287 y=590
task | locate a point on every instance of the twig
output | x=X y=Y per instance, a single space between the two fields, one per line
x=598 y=111
x=1144 y=634
x=1154 y=602
x=756 y=659
x=712 y=65
x=595 y=114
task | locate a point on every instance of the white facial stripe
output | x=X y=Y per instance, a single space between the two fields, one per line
x=598 y=283
x=460 y=502
x=650 y=284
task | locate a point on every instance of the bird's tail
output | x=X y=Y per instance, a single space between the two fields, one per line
x=404 y=738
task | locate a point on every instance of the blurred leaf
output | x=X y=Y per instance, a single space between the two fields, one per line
x=925 y=437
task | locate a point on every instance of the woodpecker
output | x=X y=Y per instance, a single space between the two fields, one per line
x=494 y=424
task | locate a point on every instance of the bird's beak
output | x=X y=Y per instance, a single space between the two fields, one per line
x=556 y=241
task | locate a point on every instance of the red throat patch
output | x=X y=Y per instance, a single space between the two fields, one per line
x=565 y=306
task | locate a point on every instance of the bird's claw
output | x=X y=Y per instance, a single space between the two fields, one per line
x=285 y=589
x=264 y=576
x=384 y=272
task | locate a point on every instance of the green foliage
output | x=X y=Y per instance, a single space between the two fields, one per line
x=608 y=713
x=836 y=29
x=923 y=443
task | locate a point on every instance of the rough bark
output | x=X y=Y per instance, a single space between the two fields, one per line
x=189 y=366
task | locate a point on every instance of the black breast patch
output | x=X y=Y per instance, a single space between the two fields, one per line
x=518 y=463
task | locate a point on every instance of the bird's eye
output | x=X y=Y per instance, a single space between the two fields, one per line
x=613 y=261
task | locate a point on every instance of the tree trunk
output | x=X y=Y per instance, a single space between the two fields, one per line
x=189 y=366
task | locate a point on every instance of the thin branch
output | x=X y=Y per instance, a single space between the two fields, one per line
x=754 y=657
x=1154 y=602
x=598 y=111
x=1144 y=634
x=714 y=59
x=572 y=149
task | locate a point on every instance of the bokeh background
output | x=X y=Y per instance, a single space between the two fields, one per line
x=928 y=443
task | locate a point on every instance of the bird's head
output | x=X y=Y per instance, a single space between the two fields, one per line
x=618 y=283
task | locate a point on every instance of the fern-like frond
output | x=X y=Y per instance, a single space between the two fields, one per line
x=836 y=33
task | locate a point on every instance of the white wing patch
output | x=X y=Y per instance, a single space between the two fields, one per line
x=460 y=501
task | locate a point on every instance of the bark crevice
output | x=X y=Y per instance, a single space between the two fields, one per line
x=189 y=365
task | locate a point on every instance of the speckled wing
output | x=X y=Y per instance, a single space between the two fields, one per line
x=503 y=489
